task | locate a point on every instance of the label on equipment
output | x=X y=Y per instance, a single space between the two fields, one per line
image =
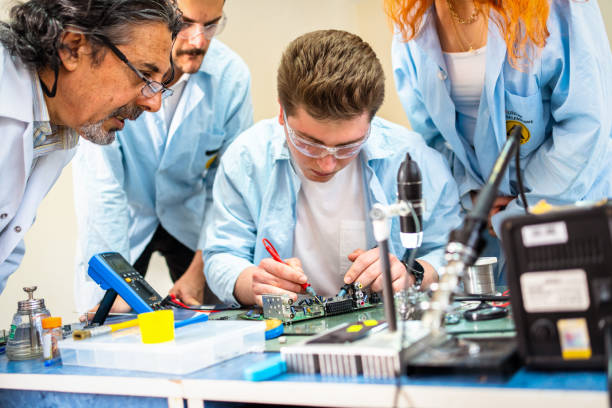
x=555 y=291
x=544 y=234
x=574 y=339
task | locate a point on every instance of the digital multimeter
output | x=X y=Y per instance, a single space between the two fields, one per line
x=112 y=271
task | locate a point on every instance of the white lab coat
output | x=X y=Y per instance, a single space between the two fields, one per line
x=24 y=182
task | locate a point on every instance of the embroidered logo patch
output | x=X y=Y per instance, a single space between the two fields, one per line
x=525 y=135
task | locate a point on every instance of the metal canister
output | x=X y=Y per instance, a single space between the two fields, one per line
x=479 y=279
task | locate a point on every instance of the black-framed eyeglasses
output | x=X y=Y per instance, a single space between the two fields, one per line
x=151 y=88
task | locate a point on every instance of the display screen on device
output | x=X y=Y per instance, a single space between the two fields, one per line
x=112 y=271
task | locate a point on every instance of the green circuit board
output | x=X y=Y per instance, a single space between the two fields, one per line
x=305 y=312
x=350 y=298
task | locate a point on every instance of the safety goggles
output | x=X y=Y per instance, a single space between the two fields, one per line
x=191 y=30
x=318 y=150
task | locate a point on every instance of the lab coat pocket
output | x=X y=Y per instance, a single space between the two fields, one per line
x=526 y=112
x=207 y=152
x=352 y=237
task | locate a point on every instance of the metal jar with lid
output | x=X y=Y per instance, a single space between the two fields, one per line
x=25 y=337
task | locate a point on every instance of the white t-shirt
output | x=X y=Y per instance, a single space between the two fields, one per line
x=466 y=71
x=330 y=225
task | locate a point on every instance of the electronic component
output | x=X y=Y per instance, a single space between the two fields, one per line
x=282 y=307
x=362 y=348
x=467 y=355
x=110 y=270
x=335 y=307
x=560 y=283
x=351 y=297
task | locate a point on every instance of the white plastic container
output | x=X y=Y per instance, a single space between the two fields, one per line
x=194 y=347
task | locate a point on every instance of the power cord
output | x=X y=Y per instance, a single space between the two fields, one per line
x=172 y=300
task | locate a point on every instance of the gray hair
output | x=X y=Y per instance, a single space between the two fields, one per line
x=33 y=33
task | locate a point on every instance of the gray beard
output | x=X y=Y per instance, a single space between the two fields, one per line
x=96 y=134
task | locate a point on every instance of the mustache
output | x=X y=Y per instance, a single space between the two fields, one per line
x=191 y=51
x=131 y=112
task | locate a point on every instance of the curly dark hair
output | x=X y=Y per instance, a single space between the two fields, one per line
x=33 y=33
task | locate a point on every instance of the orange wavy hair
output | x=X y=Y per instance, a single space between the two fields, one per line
x=522 y=23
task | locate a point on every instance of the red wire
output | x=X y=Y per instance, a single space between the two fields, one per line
x=177 y=302
x=505 y=304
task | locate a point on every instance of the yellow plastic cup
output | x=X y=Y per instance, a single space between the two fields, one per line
x=157 y=326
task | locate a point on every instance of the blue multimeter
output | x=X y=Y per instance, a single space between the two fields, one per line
x=110 y=270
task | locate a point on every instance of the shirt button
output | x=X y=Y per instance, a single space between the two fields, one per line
x=18 y=229
x=442 y=75
x=3 y=216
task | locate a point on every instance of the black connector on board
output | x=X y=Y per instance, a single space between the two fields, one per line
x=338 y=307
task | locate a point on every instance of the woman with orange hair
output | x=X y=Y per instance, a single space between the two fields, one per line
x=468 y=70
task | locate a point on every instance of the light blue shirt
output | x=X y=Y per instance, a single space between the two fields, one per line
x=562 y=98
x=256 y=189
x=149 y=175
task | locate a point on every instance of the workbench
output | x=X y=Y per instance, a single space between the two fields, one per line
x=29 y=383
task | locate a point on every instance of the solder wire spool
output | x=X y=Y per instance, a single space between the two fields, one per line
x=479 y=278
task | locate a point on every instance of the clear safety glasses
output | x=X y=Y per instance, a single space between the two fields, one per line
x=318 y=150
x=191 y=30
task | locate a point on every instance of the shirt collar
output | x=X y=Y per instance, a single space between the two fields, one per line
x=184 y=78
x=46 y=136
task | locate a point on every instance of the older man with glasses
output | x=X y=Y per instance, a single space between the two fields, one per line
x=150 y=190
x=307 y=180
x=58 y=81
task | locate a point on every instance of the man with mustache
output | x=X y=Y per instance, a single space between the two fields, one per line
x=70 y=68
x=151 y=189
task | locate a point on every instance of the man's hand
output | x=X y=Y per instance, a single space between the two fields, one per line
x=270 y=277
x=367 y=270
x=119 y=306
x=189 y=288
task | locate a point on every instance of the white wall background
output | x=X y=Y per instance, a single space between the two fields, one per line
x=258 y=31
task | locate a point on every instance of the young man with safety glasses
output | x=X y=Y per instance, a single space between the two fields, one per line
x=155 y=181
x=307 y=180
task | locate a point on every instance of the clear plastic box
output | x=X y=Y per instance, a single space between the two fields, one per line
x=194 y=347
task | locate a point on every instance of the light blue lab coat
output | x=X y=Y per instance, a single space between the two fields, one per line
x=256 y=189
x=564 y=99
x=150 y=175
